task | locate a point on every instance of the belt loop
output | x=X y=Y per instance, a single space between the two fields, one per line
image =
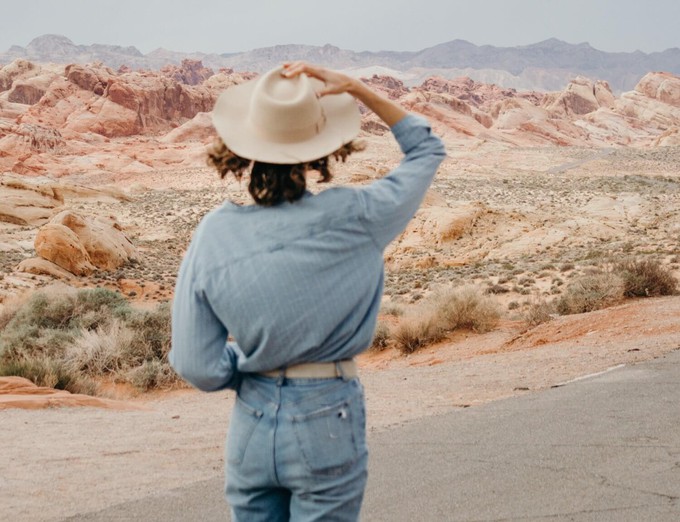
x=339 y=372
x=281 y=377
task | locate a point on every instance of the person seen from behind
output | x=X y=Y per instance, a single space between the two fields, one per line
x=276 y=299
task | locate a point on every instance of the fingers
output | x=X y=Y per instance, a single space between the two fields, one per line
x=292 y=69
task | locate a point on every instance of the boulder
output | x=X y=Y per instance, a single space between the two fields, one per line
x=90 y=78
x=18 y=69
x=40 y=266
x=102 y=239
x=578 y=98
x=30 y=91
x=59 y=244
x=199 y=128
x=663 y=87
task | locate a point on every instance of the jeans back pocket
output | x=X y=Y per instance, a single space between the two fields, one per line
x=328 y=438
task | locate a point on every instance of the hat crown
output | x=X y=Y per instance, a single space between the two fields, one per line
x=281 y=120
x=285 y=108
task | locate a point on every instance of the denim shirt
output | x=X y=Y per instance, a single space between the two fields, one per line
x=298 y=282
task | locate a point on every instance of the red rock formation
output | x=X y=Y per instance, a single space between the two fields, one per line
x=580 y=97
x=392 y=87
x=90 y=118
x=663 y=87
x=89 y=78
x=191 y=72
x=24 y=203
x=18 y=69
x=476 y=94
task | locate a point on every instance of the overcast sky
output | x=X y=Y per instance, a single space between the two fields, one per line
x=240 y=25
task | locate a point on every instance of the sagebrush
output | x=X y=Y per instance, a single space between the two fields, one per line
x=591 y=292
x=646 y=278
x=445 y=311
x=67 y=339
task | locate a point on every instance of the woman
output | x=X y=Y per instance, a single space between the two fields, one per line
x=296 y=280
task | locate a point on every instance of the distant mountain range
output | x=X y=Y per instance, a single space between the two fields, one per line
x=546 y=65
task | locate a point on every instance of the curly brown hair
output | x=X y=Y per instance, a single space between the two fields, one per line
x=270 y=183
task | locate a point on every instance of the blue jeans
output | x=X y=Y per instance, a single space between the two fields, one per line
x=296 y=450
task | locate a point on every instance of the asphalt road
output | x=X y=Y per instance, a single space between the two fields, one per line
x=604 y=448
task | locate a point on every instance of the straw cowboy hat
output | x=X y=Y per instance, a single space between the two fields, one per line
x=281 y=120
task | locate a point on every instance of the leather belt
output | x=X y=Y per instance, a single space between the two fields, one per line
x=346 y=368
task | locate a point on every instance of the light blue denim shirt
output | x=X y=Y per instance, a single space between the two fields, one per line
x=298 y=282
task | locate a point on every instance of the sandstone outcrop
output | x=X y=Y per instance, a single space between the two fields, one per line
x=582 y=96
x=18 y=69
x=17 y=392
x=60 y=245
x=190 y=72
x=102 y=239
x=78 y=244
x=40 y=266
x=25 y=203
x=199 y=128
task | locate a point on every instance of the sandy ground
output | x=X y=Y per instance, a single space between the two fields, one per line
x=60 y=462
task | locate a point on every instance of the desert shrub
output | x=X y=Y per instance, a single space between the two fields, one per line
x=465 y=307
x=49 y=373
x=152 y=334
x=101 y=351
x=646 y=278
x=539 y=312
x=9 y=309
x=152 y=374
x=497 y=289
x=590 y=292
x=443 y=312
x=65 y=339
x=381 y=337
x=414 y=333
x=391 y=309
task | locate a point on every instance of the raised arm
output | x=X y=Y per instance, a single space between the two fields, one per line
x=387 y=205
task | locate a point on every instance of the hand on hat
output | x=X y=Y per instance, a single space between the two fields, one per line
x=338 y=83
x=335 y=82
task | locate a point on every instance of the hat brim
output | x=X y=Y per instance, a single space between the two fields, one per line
x=230 y=119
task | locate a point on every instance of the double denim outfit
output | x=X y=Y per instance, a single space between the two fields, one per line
x=295 y=283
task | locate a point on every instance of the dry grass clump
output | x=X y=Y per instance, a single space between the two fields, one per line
x=447 y=310
x=381 y=337
x=591 y=292
x=539 y=312
x=646 y=278
x=466 y=307
x=414 y=333
x=67 y=339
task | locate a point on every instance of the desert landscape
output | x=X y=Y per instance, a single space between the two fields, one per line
x=547 y=249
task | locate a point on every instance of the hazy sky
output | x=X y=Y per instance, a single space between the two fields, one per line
x=239 y=25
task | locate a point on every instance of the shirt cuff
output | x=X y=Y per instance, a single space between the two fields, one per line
x=410 y=131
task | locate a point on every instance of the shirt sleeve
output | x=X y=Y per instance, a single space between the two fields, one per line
x=387 y=205
x=200 y=353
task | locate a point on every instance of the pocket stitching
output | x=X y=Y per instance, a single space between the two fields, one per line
x=298 y=420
